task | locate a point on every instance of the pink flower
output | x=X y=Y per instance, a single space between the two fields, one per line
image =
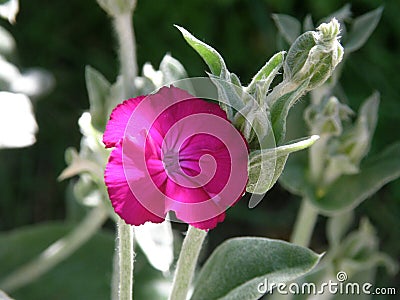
x=173 y=152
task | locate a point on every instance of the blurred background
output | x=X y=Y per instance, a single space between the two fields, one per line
x=64 y=36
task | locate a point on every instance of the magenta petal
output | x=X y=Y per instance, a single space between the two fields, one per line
x=124 y=202
x=115 y=128
x=174 y=152
x=209 y=224
x=183 y=211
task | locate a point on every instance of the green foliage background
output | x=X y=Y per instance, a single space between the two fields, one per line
x=64 y=36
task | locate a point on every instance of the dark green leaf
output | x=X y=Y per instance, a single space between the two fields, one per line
x=237 y=267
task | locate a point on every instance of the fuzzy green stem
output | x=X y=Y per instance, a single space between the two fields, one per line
x=187 y=263
x=317 y=157
x=127 y=52
x=305 y=223
x=303 y=229
x=125 y=258
x=58 y=251
x=128 y=67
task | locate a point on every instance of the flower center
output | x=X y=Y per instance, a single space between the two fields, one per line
x=170 y=161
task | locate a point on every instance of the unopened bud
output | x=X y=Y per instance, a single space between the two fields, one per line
x=314 y=55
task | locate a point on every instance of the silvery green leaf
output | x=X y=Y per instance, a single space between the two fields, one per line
x=212 y=58
x=308 y=23
x=229 y=94
x=350 y=190
x=172 y=69
x=266 y=165
x=116 y=95
x=362 y=28
x=240 y=267
x=143 y=86
x=338 y=165
x=280 y=110
x=298 y=53
x=341 y=14
x=98 y=90
x=156 y=242
x=9 y=10
x=267 y=73
x=87 y=191
x=77 y=165
x=356 y=142
x=359 y=251
x=234 y=79
x=289 y=27
x=325 y=117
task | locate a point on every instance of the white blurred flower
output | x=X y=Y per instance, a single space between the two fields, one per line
x=17 y=121
x=33 y=82
x=9 y=10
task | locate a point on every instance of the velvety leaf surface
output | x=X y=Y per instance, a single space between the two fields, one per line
x=348 y=191
x=238 y=266
x=362 y=28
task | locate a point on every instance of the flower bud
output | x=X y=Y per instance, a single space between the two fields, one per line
x=314 y=55
x=326 y=117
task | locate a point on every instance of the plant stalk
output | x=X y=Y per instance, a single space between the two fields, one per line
x=304 y=225
x=123 y=272
x=126 y=257
x=186 y=263
x=127 y=52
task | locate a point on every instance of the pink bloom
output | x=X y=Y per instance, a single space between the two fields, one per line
x=173 y=152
